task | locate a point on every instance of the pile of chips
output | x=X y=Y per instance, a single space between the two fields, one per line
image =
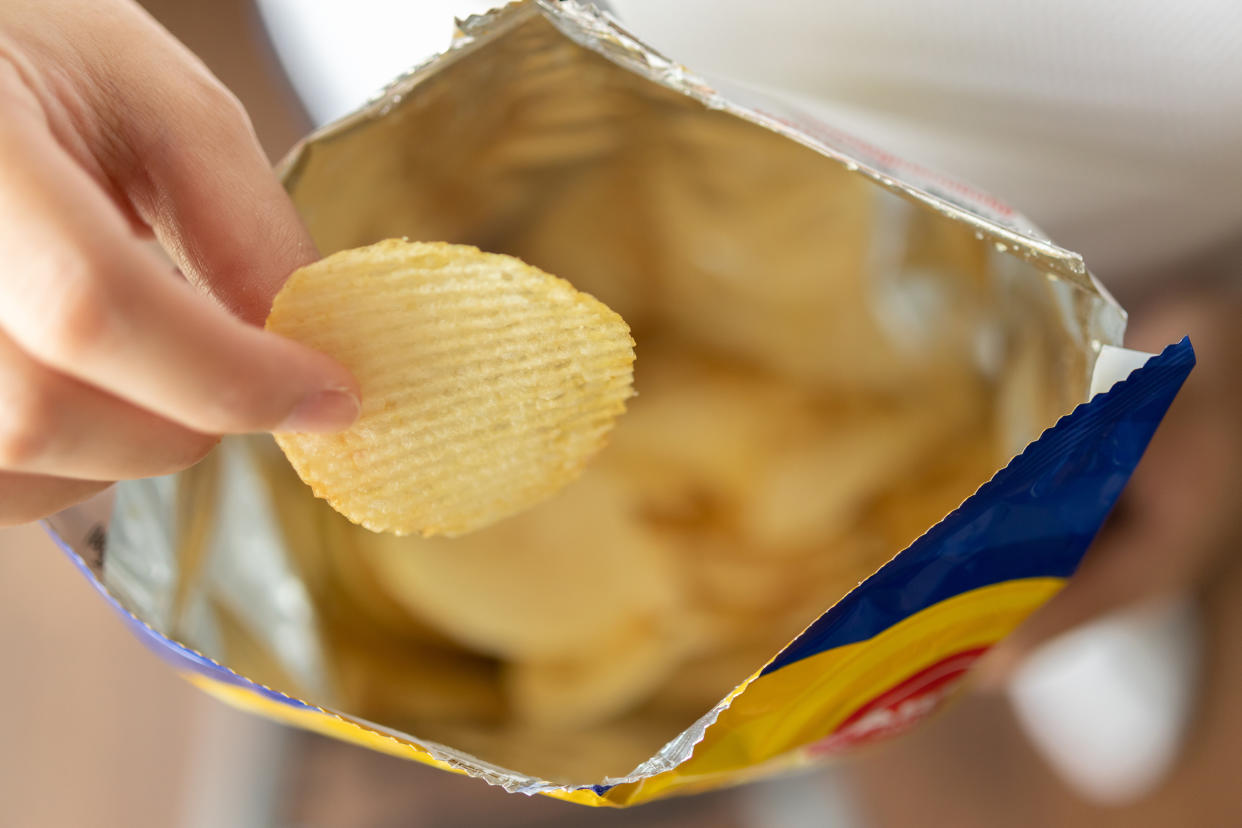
x=580 y=619
x=487 y=384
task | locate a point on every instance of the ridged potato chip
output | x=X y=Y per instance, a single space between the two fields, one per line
x=702 y=431
x=543 y=585
x=486 y=384
x=597 y=682
x=817 y=489
x=616 y=268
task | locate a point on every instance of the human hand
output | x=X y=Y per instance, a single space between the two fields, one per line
x=111 y=365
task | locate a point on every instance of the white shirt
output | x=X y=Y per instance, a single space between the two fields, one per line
x=1115 y=125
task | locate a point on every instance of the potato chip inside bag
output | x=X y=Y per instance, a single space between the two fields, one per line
x=488 y=384
x=878 y=419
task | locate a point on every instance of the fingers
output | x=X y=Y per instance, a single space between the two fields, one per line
x=25 y=497
x=52 y=424
x=194 y=170
x=110 y=366
x=216 y=205
x=81 y=296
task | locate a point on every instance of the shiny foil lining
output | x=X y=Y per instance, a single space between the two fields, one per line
x=550 y=132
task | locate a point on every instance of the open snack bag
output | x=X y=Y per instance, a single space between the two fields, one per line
x=878 y=419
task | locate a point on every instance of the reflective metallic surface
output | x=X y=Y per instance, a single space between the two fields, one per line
x=709 y=222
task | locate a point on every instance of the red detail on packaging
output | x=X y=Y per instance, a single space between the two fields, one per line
x=901 y=706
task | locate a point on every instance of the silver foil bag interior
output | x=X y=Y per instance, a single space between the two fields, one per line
x=716 y=224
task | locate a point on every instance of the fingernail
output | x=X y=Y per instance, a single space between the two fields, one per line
x=323 y=411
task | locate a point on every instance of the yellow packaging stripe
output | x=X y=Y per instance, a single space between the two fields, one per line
x=782 y=712
x=775 y=717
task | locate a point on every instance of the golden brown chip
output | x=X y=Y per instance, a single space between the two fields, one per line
x=598 y=682
x=486 y=384
x=540 y=586
x=806 y=269
x=612 y=252
x=927 y=492
x=768 y=262
x=720 y=577
x=354 y=596
x=817 y=488
x=699 y=433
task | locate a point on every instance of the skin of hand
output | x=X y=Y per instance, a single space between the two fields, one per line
x=112 y=364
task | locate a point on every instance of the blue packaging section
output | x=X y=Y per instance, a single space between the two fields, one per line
x=1034 y=518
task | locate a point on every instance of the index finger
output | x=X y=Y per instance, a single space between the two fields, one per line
x=88 y=299
x=181 y=148
x=213 y=200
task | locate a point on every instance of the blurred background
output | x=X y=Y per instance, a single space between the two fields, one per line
x=96 y=731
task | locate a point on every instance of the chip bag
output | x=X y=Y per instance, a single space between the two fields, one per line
x=879 y=419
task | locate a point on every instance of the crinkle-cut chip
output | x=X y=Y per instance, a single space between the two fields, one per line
x=612 y=254
x=598 y=682
x=820 y=488
x=769 y=262
x=487 y=384
x=354 y=596
x=718 y=576
x=699 y=433
x=929 y=491
x=807 y=269
x=540 y=586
